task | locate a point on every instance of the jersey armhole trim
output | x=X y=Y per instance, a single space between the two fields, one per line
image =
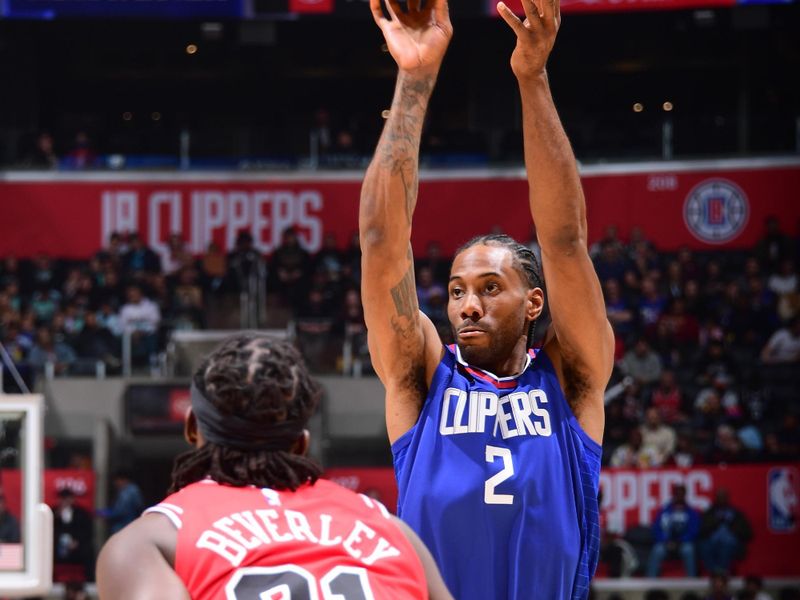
x=588 y=442
x=446 y=365
x=167 y=512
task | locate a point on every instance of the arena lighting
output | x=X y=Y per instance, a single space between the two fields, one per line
x=667 y=106
x=191 y=49
x=156 y=116
x=638 y=107
x=127 y=115
x=385 y=113
x=384 y=48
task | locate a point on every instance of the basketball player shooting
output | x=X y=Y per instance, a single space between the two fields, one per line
x=248 y=518
x=496 y=446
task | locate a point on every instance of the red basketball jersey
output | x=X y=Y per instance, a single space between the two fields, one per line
x=322 y=542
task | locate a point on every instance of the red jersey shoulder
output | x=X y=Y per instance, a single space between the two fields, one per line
x=321 y=536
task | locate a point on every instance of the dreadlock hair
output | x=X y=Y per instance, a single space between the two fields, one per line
x=524 y=261
x=265 y=381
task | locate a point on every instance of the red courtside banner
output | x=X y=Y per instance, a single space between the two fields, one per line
x=769 y=495
x=80 y=481
x=719 y=205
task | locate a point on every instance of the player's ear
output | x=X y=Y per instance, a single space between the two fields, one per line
x=302 y=444
x=190 y=431
x=534 y=303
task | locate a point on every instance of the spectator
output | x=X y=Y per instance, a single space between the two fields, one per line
x=109 y=290
x=641 y=363
x=109 y=319
x=427 y=289
x=246 y=266
x=610 y=239
x=683 y=327
x=176 y=257
x=9 y=524
x=215 y=267
x=96 y=342
x=685 y=454
x=651 y=304
x=48 y=351
x=45 y=303
x=352 y=259
x=72 y=539
x=43 y=155
x=784 y=345
x=713 y=363
x=719 y=587
x=81 y=156
x=187 y=301
x=724 y=534
x=611 y=263
x=631 y=455
x=139 y=259
x=658 y=439
x=618 y=310
x=667 y=399
x=618 y=428
x=9 y=270
x=774 y=246
x=439 y=266
x=329 y=258
x=675 y=280
x=707 y=418
x=140 y=317
x=675 y=530
x=720 y=387
x=128 y=504
x=290 y=264
x=785 y=280
x=686 y=260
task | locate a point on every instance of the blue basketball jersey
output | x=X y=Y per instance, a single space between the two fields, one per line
x=500 y=481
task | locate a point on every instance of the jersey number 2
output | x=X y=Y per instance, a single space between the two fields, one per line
x=290 y=582
x=489 y=495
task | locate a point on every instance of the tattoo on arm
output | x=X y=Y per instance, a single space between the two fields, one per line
x=399 y=147
x=404 y=295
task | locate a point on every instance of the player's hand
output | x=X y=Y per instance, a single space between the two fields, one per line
x=536 y=35
x=418 y=38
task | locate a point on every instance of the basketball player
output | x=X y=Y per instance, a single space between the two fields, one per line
x=496 y=447
x=248 y=518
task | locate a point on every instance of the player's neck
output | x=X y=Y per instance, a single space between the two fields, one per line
x=513 y=364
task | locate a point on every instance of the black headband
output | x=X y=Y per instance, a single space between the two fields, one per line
x=234 y=432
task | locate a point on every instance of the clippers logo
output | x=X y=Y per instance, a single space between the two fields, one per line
x=716 y=211
x=782 y=498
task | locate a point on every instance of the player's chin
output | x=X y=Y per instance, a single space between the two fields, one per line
x=474 y=351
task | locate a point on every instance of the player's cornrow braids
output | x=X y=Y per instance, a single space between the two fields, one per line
x=525 y=262
x=263 y=380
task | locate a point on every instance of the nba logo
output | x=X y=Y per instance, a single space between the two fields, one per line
x=782 y=499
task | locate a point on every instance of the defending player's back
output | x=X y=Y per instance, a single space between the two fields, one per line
x=246 y=542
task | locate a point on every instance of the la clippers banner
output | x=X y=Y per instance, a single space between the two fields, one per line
x=73 y=217
x=768 y=495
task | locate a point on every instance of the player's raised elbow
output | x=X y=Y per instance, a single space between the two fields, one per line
x=566 y=239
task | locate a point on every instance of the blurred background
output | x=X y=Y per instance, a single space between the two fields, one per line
x=174 y=170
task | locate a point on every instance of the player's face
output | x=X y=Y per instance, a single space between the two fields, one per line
x=489 y=305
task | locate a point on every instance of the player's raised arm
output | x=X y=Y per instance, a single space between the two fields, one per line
x=403 y=343
x=582 y=348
